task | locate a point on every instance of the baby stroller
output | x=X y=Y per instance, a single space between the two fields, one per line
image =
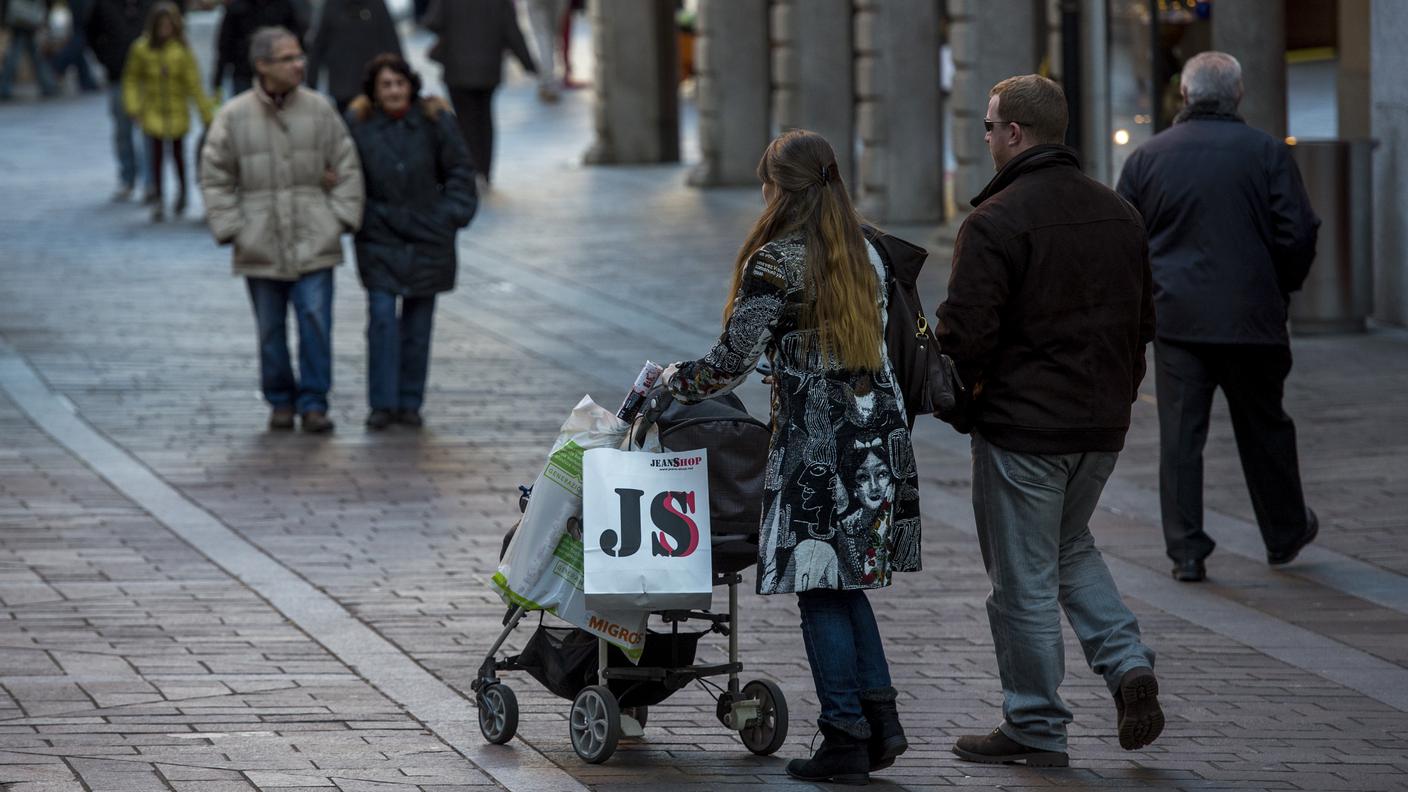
x=610 y=696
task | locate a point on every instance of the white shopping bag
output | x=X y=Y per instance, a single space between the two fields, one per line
x=645 y=530
x=542 y=567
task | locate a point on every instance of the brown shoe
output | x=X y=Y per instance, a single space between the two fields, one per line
x=281 y=418
x=998 y=748
x=317 y=423
x=1140 y=718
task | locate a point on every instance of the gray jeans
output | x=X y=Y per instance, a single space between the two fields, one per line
x=1033 y=516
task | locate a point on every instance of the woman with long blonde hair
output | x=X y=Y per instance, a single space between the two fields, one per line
x=841 y=508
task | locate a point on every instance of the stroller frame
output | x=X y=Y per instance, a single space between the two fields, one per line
x=757 y=710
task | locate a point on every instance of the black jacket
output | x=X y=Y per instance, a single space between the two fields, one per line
x=1049 y=308
x=420 y=191
x=110 y=29
x=1230 y=227
x=473 y=37
x=242 y=18
x=348 y=35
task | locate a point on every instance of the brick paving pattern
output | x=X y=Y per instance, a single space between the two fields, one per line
x=128 y=660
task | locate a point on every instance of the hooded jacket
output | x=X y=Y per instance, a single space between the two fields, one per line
x=1049 y=307
x=159 y=83
x=262 y=176
x=420 y=191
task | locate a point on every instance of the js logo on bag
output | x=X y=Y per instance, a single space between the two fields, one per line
x=675 y=536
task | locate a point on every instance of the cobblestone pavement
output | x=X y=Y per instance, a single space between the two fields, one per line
x=190 y=602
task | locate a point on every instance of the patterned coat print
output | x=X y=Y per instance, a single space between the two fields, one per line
x=841 y=495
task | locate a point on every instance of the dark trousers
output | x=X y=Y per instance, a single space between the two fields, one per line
x=474 y=108
x=845 y=653
x=155 y=149
x=1253 y=378
x=398 y=350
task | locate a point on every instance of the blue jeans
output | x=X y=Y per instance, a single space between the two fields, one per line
x=129 y=155
x=398 y=350
x=74 y=54
x=846 y=655
x=24 y=41
x=311 y=296
x=1033 y=516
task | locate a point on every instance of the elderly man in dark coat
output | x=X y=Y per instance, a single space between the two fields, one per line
x=473 y=37
x=345 y=38
x=1232 y=234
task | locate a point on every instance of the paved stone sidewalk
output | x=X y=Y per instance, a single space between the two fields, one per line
x=570 y=278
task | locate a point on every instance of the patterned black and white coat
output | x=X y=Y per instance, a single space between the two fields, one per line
x=841 y=495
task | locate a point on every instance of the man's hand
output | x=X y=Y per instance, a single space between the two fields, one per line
x=329 y=179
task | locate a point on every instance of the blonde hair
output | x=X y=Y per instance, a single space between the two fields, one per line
x=168 y=10
x=842 y=291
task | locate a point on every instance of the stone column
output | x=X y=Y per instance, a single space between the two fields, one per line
x=991 y=40
x=899 y=109
x=1254 y=32
x=1389 y=60
x=1352 y=74
x=637 y=112
x=812 y=75
x=734 y=89
x=1095 y=144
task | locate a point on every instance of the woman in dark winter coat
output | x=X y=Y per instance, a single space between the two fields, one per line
x=420 y=191
x=841 y=497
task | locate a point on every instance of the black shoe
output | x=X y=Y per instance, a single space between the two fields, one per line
x=281 y=418
x=1190 y=571
x=841 y=759
x=379 y=419
x=317 y=423
x=410 y=418
x=998 y=748
x=1312 y=528
x=1140 y=718
x=887 y=740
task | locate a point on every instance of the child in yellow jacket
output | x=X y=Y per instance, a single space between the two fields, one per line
x=159 y=82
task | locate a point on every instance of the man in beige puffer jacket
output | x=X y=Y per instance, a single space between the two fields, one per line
x=282 y=182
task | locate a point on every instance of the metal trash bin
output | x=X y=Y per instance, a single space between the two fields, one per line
x=1338 y=295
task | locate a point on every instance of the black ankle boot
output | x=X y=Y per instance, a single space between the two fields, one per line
x=841 y=759
x=887 y=740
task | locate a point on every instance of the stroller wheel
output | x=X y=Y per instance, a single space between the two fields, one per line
x=498 y=713
x=595 y=724
x=766 y=733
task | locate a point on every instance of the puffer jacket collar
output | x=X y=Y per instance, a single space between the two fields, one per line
x=1043 y=156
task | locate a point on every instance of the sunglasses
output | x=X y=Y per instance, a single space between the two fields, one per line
x=988 y=125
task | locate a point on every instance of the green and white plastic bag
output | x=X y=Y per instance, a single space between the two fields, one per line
x=542 y=568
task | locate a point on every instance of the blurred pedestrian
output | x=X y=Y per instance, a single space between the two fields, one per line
x=25 y=19
x=73 y=53
x=1047 y=317
x=548 y=18
x=112 y=27
x=841 y=499
x=242 y=18
x=1232 y=234
x=159 y=82
x=473 y=36
x=347 y=36
x=282 y=182
x=420 y=191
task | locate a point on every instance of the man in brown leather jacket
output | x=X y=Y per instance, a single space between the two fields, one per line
x=1047 y=317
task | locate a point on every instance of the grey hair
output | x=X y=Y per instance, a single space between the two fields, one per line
x=1212 y=77
x=261 y=44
